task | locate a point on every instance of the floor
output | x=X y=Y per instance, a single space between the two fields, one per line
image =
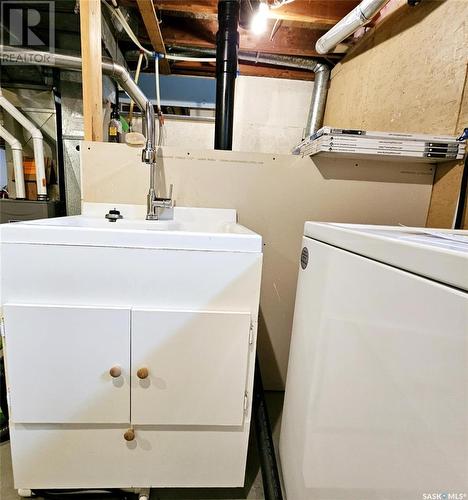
x=252 y=489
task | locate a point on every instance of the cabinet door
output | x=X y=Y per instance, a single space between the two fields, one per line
x=59 y=360
x=196 y=364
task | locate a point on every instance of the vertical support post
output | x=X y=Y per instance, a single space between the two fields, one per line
x=227 y=48
x=91 y=55
x=59 y=132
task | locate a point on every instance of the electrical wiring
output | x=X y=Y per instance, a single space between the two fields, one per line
x=146 y=60
x=121 y=18
x=174 y=57
x=117 y=13
x=158 y=103
x=158 y=91
x=277 y=4
x=85 y=494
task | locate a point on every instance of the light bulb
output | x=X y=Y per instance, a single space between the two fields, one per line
x=258 y=23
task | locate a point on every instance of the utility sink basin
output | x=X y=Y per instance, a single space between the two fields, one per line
x=131 y=345
x=191 y=228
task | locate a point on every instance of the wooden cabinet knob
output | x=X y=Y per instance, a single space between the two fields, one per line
x=129 y=435
x=142 y=373
x=115 y=371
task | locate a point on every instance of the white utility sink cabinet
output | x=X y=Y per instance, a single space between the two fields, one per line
x=130 y=349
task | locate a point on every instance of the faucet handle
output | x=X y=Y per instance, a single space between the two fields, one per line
x=158 y=202
x=166 y=198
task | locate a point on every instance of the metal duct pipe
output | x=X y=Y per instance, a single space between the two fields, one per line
x=227 y=46
x=318 y=100
x=17 y=153
x=256 y=57
x=115 y=71
x=38 y=144
x=322 y=75
x=358 y=17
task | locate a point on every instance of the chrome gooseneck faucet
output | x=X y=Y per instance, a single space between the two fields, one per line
x=154 y=203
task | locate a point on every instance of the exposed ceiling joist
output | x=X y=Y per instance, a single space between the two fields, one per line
x=202 y=33
x=250 y=69
x=321 y=13
x=150 y=19
x=193 y=23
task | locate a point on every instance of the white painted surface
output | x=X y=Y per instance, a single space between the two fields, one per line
x=441 y=255
x=205 y=234
x=270 y=114
x=269 y=117
x=59 y=360
x=45 y=454
x=165 y=279
x=194 y=133
x=49 y=457
x=197 y=363
x=376 y=388
x=210 y=216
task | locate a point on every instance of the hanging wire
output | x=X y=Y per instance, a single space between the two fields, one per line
x=158 y=103
x=116 y=12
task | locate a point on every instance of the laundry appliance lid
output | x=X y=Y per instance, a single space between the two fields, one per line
x=441 y=255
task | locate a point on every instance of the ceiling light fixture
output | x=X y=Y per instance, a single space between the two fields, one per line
x=258 y=23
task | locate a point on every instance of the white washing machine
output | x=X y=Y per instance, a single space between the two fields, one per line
x=376 y=403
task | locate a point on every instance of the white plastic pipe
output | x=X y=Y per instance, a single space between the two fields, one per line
x=358 y=17
x=17 y=152
x=38 y=144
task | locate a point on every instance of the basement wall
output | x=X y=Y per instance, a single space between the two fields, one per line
x=409 y=74
x=269 y=117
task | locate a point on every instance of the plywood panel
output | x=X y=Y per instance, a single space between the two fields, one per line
x=444 y=195
x=274 y=195
x=409 y=75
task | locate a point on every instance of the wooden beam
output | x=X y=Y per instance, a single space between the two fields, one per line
x=245 y=69
x=90 y=27
x=205 y=7
x=150 y=19
x=275 y=72
x=321 y=13
x=202 y=33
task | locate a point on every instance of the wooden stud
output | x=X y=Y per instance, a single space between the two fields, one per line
x=91 y=55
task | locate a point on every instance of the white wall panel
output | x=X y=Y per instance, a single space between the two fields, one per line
x=274 y=195
x=269 y=117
